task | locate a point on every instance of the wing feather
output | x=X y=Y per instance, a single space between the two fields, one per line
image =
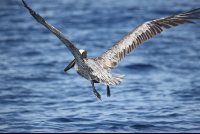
x=110 y=59
x=74 y=50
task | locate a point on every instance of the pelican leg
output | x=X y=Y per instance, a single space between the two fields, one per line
x=95 y=91
x=108 y=91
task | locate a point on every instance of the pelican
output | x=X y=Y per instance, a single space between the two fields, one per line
x=96 y=70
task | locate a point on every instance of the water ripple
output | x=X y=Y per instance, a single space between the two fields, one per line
x=160 y=90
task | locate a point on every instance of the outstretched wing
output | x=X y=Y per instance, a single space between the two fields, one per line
x=110 y=59
x=74 y=50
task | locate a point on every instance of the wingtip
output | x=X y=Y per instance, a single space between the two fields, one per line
x=24 y=3
x=191 y=11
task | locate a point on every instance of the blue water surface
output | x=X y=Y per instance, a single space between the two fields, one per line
x=161 y=87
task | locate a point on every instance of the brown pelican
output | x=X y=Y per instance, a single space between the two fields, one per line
x=96 y=70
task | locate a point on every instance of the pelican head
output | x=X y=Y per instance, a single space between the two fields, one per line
x=72 y=63
x=83 y=53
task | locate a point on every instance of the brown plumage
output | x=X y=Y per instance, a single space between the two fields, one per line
x=96 y=70
x=142 y=33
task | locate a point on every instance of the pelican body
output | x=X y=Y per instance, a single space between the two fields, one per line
x=96 y=70
x=86 y=70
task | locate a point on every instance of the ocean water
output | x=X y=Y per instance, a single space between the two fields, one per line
x=161 y=87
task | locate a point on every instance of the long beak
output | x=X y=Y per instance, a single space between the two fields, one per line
x=71 y=64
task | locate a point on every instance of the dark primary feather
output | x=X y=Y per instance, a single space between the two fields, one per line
x=110 y=59
x=74 y=50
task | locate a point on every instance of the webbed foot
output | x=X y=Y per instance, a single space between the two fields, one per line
x=95 y=91
x=108 y=91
